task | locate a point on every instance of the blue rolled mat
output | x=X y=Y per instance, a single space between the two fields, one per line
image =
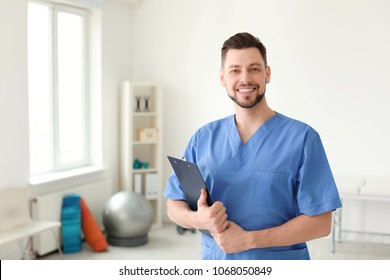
x=71 y=223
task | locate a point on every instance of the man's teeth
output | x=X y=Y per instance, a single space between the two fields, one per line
x=245 y=89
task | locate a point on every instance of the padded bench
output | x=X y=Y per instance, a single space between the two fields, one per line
x=16 y=224
x=358 y=189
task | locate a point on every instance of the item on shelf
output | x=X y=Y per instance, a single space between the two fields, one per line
x=127 y=219
x=138 y=99
x=151 y=186
x=146 y=98
x=140 y=164
x=147 y=134
x=138 y=183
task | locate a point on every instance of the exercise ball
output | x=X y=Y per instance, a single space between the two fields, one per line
x=127 y=219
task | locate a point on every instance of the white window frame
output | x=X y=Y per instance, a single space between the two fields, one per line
x=92 y=115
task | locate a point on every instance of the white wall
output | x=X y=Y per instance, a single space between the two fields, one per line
x=13 y=98
x=118 y=41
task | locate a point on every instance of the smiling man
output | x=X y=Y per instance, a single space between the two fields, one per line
x=248 y=80
x=268 y=174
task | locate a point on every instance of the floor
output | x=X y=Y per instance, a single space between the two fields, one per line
x=166 y=244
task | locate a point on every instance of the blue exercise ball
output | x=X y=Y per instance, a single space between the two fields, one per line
x=127 y=219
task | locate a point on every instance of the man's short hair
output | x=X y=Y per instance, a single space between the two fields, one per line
x=240 y=41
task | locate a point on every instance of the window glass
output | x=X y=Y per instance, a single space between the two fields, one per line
x=57 y=87
x=70 y=89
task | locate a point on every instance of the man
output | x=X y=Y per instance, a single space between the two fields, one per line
x=268 y=174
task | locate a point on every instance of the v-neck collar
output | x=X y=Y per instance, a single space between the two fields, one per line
x=262 y=130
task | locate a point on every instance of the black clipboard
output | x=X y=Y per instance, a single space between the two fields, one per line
x=191 y=181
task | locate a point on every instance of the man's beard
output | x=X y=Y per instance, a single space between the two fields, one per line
x=257 y=100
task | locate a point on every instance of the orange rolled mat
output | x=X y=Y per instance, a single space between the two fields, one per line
x=92 y=232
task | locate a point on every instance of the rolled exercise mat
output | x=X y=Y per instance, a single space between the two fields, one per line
x=71 y=223
x=92 y=232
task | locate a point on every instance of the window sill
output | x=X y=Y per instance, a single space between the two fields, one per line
x=62 y=180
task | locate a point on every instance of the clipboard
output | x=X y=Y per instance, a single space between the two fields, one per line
x=191 y=181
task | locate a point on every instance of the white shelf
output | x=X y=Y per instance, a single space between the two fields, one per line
x=148 y=170
x=144 y=114
x=150 y=152
x=145 y=142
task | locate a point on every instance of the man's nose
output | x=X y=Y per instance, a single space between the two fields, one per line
x=245 y=77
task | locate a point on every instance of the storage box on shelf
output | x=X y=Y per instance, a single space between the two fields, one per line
x=141 y=142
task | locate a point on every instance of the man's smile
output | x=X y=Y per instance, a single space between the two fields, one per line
x=246 y=90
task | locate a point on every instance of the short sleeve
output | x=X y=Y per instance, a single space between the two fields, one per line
x=173 y=189
x=317 y=191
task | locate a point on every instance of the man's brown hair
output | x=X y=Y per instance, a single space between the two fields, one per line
x=240 y=41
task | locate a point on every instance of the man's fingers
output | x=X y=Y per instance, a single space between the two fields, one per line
x=202 y=198
x=218 y=208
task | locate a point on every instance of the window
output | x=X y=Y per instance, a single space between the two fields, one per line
x=58 y=88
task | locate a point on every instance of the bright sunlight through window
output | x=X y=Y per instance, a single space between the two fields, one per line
x=57 y=87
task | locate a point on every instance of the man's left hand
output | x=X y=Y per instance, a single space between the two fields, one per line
x=232 y=239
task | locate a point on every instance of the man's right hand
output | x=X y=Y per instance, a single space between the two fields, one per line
x=212 y=218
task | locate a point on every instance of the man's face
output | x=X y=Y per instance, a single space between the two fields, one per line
x=245 y=76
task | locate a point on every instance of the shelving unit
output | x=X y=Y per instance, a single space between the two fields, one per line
x=141 y=142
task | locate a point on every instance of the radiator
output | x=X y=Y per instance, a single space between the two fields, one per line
x=48 y=208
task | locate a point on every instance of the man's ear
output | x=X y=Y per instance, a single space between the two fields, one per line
x=268 y=74
x=222 y=78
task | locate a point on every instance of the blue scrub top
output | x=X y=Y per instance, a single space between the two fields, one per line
x=280 y=173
